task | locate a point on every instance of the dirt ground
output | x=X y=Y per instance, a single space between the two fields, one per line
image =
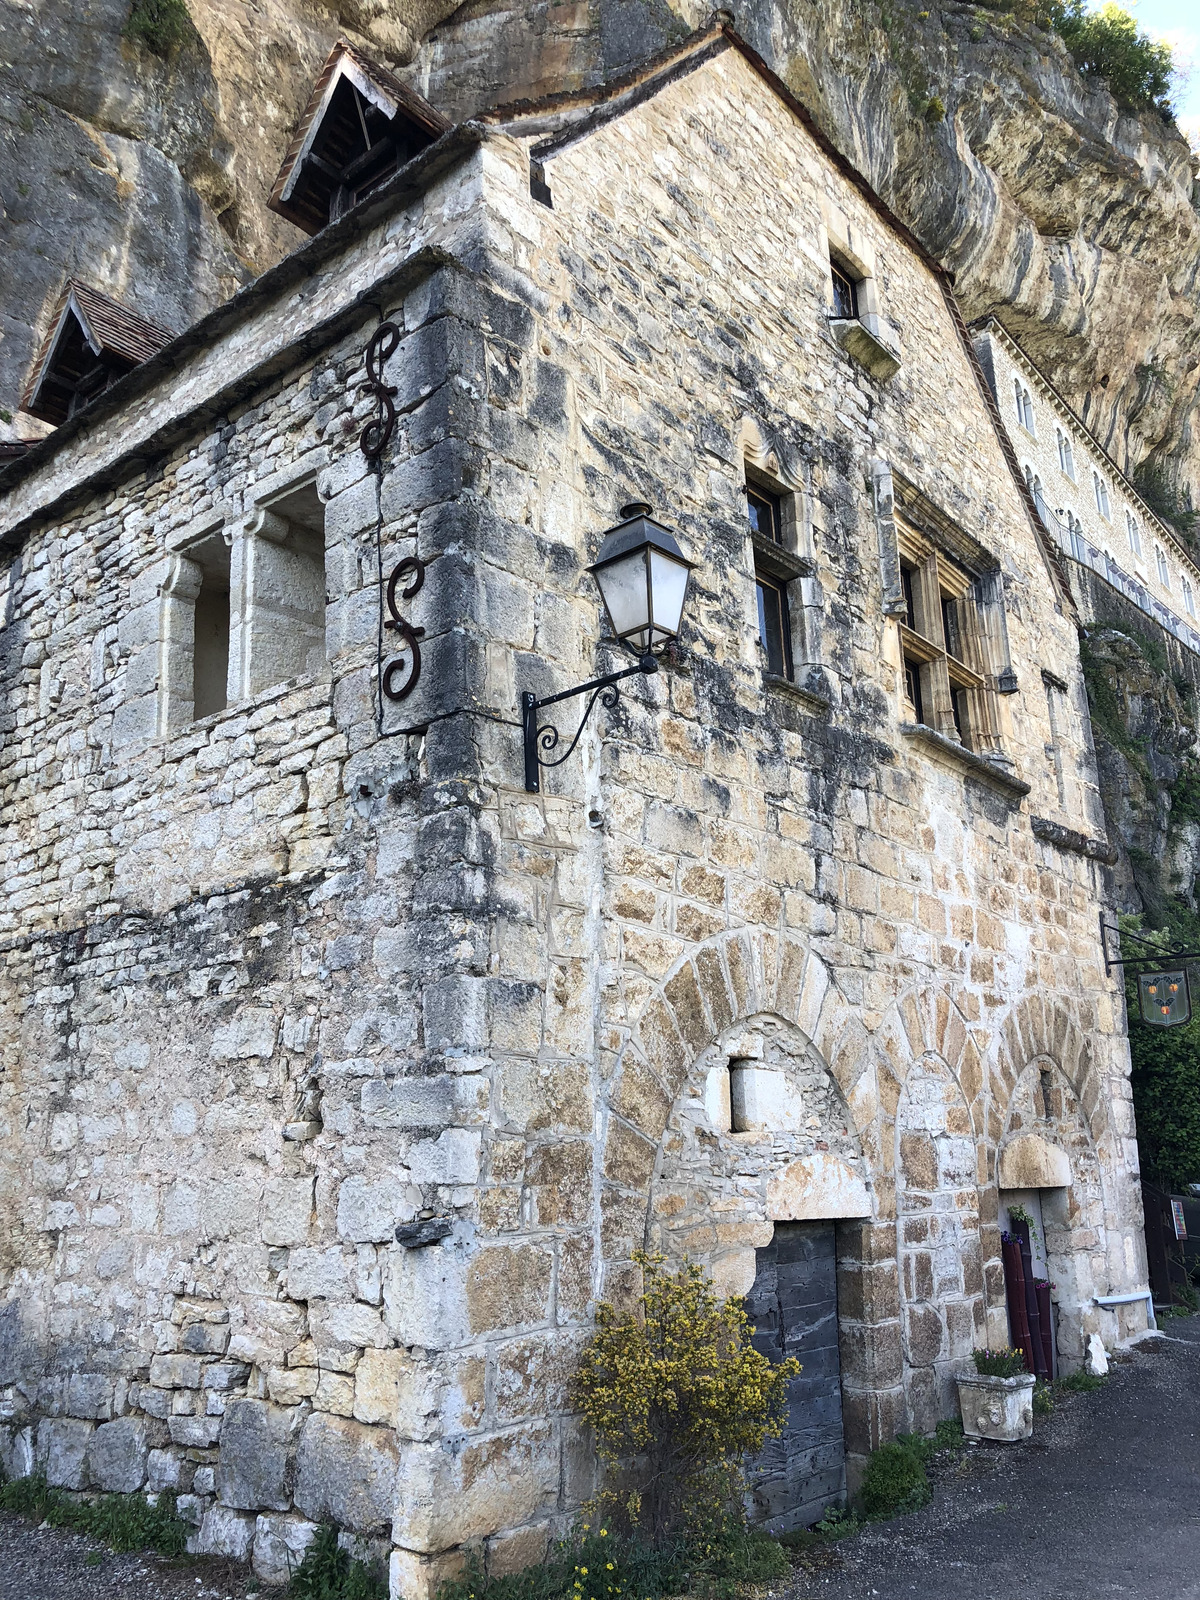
x=1103 y=1503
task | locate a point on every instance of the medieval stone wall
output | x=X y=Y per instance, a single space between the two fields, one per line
x=280 y=985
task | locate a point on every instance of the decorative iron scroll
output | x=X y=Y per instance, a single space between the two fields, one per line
x=416 y=567
x=383 y=344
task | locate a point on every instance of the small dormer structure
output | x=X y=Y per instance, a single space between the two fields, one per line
x=361 y=125
x=93 y=341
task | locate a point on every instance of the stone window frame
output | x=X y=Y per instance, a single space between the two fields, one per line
x=1066 y=453
x=866 y=336
x=178 y=587
x=786 y=562
x=1024 y=404
x=1164 y=571
x=1133 y=533
x=1100 y=491
x=957 y=690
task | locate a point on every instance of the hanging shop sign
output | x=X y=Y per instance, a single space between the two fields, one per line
x=1164 y=998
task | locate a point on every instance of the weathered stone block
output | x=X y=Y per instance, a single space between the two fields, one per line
x=489 y=1485
x=508 y=1286
x=205 y=1338
x=116 y=1455
x=176 y=1372
x=368 y=1209
x=319 y=1274
x=258 y=1446
x=162 y=1470
x=61 y=1449
x=195 y=1432
x=279 y=1546
x=226 y=1533
x=347 y=1473
x=424 y=1297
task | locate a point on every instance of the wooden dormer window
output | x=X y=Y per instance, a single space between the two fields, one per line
x=93 y=340
x=360 y=126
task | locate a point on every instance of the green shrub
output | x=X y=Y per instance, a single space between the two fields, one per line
x=328 y=1573
x=161 y=25
x=599 y=1565
x=1080 y=1382
x=999 y=1363
x=1106 y=44
x=935 y=109
x=1043 y=1399
x=895 y=1481
x=678 y=1397
x=124 y=1522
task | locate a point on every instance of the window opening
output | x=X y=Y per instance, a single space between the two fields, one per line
x=1066 y=455
x=943 y=641
x=764 y=513
x=910 y=606
x=284 y=596
x=1024 y=406
x=1101 y=491
x=210 y=638
x=774 y=632
x=845 y=293
x=1189 y=598
x=1055 y=707
x=1133 y=533
x=1164 y=575
x=912 y=688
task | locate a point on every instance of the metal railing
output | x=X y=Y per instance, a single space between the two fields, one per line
x=1074 y=544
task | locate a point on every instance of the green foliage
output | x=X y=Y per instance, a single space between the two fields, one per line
x=1043 y=1399
x=1185 y=793
x=1078 y=1383
x=122 y=1521
x=999 y=1363
x=678 y=1397
x=328 y=1573
x=1156 y=490
x=895 y=1481
x=599 y=1565
x=1166 y=1098
x=1107 y=44
x=163 y=26
x=935 y=109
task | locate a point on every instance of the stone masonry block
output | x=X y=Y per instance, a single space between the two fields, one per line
x=286 y=1214
x=61 y=1450
x=368 y=1209
x=226 y=1533
x=455 y=1013
x=279 y=1546
x=347 y=1473
x=116 y=1455
x=490 y=1484
x=424 y=1297
x=508 y=1286
x=258 y=1446
x=319 y=1274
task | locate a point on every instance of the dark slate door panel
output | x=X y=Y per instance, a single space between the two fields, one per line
x=793 y=1306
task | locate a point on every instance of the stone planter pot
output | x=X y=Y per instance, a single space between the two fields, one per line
x=996 y=1408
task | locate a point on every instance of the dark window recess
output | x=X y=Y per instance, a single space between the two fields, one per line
x=958 y=706
x=845 y=293
x=93 y=341
x=910 y=604
x=539 y=189
x=774 y=631
x=763 y=511
x=912 y=687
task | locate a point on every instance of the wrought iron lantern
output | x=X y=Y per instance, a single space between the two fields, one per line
x=1164 y=998
x=642 y=575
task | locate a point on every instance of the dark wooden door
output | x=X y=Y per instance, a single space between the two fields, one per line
x=793 y=1306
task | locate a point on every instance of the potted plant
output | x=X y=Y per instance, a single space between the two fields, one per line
x=996 y=1399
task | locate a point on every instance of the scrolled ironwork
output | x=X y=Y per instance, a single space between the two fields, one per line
x=546 y=738
x=413 y=568
x=383 y=344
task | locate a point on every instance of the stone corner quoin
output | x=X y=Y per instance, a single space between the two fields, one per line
x=759 y=977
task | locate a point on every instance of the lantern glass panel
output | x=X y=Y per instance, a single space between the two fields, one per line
x=625 y=591
x=1164 y=998
x=668 y=587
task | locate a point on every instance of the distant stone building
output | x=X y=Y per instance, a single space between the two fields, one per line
x=341 y=1074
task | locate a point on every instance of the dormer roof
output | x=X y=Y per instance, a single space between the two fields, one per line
x=93 y=340
x=361 y=123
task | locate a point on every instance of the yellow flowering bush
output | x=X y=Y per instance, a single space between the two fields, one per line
x=678 y=1397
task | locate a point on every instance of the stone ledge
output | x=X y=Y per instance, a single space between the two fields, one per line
x=793 y=691
x=977 y=766
x=865 y=346
x=1057 y=833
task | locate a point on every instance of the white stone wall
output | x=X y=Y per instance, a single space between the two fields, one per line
x=276 y=987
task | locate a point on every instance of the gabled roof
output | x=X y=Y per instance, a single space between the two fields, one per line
x=379 y=88
x=108 y=329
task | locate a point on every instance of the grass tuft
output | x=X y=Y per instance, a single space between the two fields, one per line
x=328 y=1573
x=123 y=1522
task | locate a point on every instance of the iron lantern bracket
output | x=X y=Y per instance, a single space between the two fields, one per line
x=1158 y=958
x=546 y=738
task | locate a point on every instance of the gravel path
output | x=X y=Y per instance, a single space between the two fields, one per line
x=1103 y=1503
x=52 y=1564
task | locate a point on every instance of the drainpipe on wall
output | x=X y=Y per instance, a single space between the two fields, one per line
x=1108 y=1301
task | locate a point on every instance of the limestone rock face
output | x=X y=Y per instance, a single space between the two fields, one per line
x=1075 y=223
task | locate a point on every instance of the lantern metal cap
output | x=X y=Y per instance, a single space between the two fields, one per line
x=636 y=528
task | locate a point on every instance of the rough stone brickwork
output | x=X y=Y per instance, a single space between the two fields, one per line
x=341 y=1075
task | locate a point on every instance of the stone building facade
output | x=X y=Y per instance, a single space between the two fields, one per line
x=342 y=1075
